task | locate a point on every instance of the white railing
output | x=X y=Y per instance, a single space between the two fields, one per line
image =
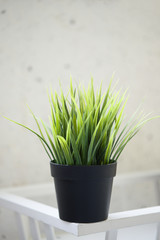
x=48 y=216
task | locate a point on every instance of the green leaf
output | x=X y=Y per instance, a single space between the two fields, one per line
x=75 y=151
x=41 y=138
x=85 y=128
x=66 y=150
x=91 y=146
x=108 y=150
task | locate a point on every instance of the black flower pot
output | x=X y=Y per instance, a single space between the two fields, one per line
x=83 y=192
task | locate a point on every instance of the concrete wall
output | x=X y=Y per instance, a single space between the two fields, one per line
x=46 y=40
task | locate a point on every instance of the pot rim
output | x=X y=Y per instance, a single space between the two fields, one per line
x=83 y=172
x=75 y=165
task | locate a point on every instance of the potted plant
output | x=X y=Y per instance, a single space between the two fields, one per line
x=84 y=141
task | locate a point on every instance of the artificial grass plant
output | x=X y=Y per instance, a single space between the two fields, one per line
x=84 y=126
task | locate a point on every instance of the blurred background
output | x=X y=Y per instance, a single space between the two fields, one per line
x=44 y=41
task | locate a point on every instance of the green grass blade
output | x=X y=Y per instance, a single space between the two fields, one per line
x=40 y=132
x=108 y=150
x=66 y=150
x=76 y=153
x=58 y=156
x=35 y=133
x=91 y=146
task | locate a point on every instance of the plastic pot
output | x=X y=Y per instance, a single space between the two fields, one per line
x=83 y=192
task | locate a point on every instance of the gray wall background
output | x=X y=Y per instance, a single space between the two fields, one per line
x=47 y=40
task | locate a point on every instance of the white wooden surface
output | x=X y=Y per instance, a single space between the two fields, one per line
x=49 y=215
x=21 y=230
x=122 y=220
x=36 y=210
x=111 y=235
x=116 y=227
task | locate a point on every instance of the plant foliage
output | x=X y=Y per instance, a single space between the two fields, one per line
x=85 y=126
